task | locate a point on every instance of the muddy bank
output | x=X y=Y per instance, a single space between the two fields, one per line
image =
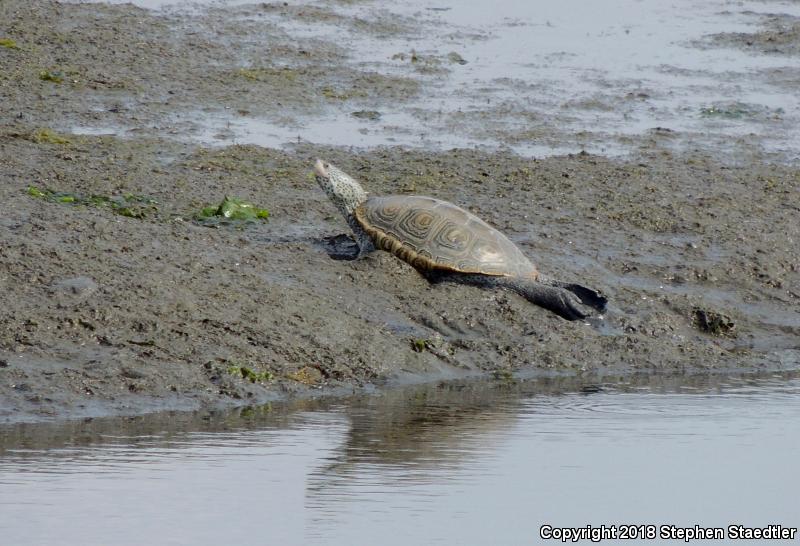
x=174 y=309
x=104 y=311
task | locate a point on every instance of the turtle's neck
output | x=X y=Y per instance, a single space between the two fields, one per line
x=347 y=194
x=347 y=199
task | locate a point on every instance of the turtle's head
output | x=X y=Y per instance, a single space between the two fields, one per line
x=343 y=190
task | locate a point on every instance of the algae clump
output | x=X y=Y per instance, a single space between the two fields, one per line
x=231 y=210
x=267 y=74
x=130 y=205
x=249 y=374
x=47 y=136
x=334 y=94
x=9 y=43
x=419 y=345
x=51 y=76
x=33 y=191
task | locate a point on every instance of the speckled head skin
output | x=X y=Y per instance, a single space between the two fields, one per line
x=346 y=193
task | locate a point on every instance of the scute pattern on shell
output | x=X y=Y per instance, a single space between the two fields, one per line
x=432 y=234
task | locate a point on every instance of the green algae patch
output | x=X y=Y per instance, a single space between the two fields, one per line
x=232 y=210
x=740 y=110
x=419 y=345
x=129 y=205
x=249 y=374
x=734 y=111
x=54 y=76
x=332 y=93
x=33 y=191
x=47 y=136
x=9 y=43
x=267 y=74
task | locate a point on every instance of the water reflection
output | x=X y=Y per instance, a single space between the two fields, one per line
x=430 y=464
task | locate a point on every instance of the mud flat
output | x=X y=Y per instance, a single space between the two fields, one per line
x=114 y=299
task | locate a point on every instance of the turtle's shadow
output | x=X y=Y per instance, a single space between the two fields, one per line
x=339 y=247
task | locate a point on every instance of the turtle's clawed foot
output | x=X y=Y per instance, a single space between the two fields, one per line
x=340 y=247
x=570 y=306
x=572 y=302
x=587 y=296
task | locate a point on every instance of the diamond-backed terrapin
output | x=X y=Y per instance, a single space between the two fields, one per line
x=445 y=242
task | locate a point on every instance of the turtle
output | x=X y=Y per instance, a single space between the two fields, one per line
x=447 y=243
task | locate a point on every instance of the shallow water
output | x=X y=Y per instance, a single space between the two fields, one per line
x=540 y=77
x=451 y=464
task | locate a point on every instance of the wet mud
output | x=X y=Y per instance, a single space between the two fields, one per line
x=105 y=312
x=780 y=35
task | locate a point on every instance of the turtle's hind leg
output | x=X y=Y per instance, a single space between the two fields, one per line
x=563 y=301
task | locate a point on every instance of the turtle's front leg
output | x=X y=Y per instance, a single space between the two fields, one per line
x=363 y=240
x=365 y=246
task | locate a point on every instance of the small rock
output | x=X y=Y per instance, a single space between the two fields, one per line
x=372 y=115
x=455 y=58
x=591 y=389
x=131 y=373
x=77 y=286
x=306 y=375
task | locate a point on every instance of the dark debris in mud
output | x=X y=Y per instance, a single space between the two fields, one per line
x=714 y=323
